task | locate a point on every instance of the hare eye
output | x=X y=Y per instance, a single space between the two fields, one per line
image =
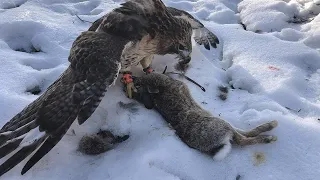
x=181 y=47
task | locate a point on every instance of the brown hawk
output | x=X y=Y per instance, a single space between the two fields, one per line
x=129 y=34
x=202 y=36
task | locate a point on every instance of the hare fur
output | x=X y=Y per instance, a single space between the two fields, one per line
x=195 y=126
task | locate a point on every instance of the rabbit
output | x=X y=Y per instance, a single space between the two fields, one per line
x=196 y=127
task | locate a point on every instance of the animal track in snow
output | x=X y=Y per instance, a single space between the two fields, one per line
x=30 y=37
x=172 y=172
x=18 y=38
x=289 y=21
x=240 y=78
x=36 y=90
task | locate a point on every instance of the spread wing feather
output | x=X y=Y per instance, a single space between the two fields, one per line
x=96 y=24
x=49 y=143
x=135 y=19
x=202 y=35
x=19 y=156
x=9 y=147
x=76 y=94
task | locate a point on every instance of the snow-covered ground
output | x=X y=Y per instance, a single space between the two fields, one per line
x=273 y=66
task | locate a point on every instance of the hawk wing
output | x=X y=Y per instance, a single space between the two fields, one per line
x=94 y=65
x=136 y=19
x=202 y=35
x=96 y=23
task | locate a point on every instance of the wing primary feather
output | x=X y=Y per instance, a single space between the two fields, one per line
x=57 y=108
x=96 y=24
x=9 y=147
x=5 y=136
x=91 y=104
x=49 y=143
x=42 y=151
x=3 y=139
x=22 y=118
x=214 y=45
x=22 y=130
x=22 y=122
x=206 y=45
x=19 y=156
x=214 y=37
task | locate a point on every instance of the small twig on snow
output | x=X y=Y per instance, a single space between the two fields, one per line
x=83 y=20
x=293 y=109
x=185 y=76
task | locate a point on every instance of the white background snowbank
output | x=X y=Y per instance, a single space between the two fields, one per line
x=275 y=76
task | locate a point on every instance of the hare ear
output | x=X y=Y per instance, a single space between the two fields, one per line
x=152 y=90
x=147 y=100
x=144 y=97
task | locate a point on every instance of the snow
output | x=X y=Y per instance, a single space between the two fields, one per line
x=290 y=20
x=267 y=15
x=274 y=72
x=31 y=137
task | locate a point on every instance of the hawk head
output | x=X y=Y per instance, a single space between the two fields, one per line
x=150 y=23
x=151 y=19
x=177 y=40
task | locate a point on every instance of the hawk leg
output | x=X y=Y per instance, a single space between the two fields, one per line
x=127 y=80
x=146 y=64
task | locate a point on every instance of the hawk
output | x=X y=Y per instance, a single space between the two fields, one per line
x=201 y=34
x=129 y=34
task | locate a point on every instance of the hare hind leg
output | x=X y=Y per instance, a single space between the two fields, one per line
x=260 y=139
x=260 y=129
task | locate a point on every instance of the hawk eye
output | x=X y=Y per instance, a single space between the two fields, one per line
x=181 y=47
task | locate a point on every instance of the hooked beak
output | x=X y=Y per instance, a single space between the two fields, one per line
x=184 y=56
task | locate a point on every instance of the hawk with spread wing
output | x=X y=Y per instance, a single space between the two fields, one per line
x=202 y=36
x=129 y=34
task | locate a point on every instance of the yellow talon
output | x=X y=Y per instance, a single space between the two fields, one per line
x=130 y=87
x=128 y=82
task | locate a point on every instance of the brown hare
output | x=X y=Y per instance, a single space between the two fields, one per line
x=195 y=126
